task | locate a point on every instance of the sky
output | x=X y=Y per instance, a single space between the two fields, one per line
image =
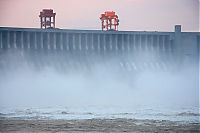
x=142 y=15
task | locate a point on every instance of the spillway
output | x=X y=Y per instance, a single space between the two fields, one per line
x=127 y=50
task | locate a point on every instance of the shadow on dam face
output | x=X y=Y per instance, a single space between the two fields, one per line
x=40 y=68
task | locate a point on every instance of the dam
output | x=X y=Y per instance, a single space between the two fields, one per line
x=130 y=50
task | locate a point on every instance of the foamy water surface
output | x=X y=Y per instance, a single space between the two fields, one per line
x=104 y=112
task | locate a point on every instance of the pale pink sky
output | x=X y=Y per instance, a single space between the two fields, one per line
x=159 y=15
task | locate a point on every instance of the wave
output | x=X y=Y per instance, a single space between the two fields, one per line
x=188 y=114
x=89 y=113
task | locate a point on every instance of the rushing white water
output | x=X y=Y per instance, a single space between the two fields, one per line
x=187 y=115
x=100 y=92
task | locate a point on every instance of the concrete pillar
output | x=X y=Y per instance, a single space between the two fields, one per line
x=163 y=43
x=54 y=41
x=61 y=41
x=67 y=41
x=22 y=40
x=134 y=42
x=198 y=48
x=146 y=42
x=198 y=51
x=15 y=40
x=122 y=43
x=86 y=43
x=177 y=43
x=8 y=39
x=48 y=41
x=104 y=43
x=110 y=42
x=116 y=46
x=1 y=42
x=35 y=40
x=157 y=44
x=73 y=42
x=98 y=43
x=171 y=38
x=41 y=40
x=128 y=43
x=140 y=42
x=79 y=41
x=92 y=41
x=28 y=40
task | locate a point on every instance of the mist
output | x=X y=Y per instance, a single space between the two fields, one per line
x=106 y=83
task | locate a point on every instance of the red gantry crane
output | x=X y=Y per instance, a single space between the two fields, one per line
x=109 y=21
x=47 y=19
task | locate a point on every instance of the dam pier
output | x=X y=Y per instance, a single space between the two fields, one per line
x=132 y=50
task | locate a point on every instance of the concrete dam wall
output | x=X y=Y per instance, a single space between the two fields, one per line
x=132 y=50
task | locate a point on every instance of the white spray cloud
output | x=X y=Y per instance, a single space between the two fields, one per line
x=102 y=85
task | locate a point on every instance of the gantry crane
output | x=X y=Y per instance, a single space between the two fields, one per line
x=109 y=21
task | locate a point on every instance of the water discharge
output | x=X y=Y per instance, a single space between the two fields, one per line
x=109 y=87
